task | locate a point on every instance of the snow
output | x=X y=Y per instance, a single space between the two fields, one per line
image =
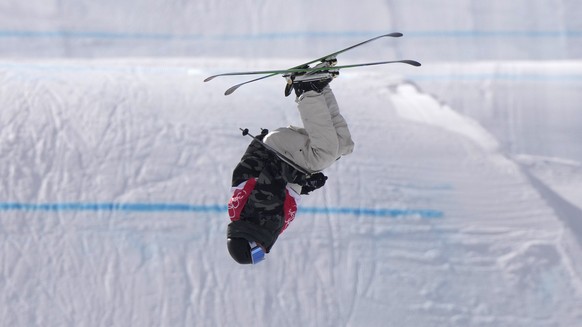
x=460 y=206
x=414 y=105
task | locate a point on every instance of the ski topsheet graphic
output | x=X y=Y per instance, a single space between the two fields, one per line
x=304 y=69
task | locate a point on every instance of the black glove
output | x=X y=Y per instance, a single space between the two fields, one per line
x=313 y=182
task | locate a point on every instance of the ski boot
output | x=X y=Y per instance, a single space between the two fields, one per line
x=314 y=80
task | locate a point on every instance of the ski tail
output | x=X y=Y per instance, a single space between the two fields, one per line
x=397 y=34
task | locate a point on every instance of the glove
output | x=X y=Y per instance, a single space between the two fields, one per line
x=313 y=182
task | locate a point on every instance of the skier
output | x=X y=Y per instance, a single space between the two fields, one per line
x=266 y=189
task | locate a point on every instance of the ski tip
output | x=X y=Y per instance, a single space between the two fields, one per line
x=208 y=79
x=412 y=62
x=231 y=90
x=396 y=34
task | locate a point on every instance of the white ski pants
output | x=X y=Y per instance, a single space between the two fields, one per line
x=324 y=138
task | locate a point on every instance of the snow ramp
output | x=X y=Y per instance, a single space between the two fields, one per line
x=115 y=178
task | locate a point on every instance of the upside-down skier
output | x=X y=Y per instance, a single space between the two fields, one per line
x=266 y=189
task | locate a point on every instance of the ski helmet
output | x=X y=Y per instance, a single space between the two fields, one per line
x=239 y=250
x=245 y=252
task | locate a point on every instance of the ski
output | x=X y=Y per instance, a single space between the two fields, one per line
x=310 y=70
x=333 y=54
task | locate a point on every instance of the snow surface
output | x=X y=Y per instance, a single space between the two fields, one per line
x=461 y=205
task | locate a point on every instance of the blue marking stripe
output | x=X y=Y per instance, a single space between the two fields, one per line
x=28 y=34
x=179 y=207
x=375 y=212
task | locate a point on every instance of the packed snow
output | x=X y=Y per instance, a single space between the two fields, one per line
x=460 y=206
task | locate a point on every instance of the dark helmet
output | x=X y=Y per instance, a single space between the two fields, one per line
x=239 y=250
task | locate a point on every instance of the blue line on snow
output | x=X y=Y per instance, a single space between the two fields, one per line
x=394 y=213
x=468 y=77
x=283 y=35
x=95 y=35
x=494 y=34
x=177 y=207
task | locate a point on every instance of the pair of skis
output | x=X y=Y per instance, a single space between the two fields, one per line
x=302 y=68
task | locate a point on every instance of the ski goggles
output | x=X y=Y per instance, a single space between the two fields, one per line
x=257 y=253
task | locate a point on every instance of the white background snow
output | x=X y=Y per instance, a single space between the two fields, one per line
x=461 y=205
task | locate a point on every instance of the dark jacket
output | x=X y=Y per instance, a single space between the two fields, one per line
x=262 y=218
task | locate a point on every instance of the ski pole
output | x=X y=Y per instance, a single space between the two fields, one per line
x=279 y=154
